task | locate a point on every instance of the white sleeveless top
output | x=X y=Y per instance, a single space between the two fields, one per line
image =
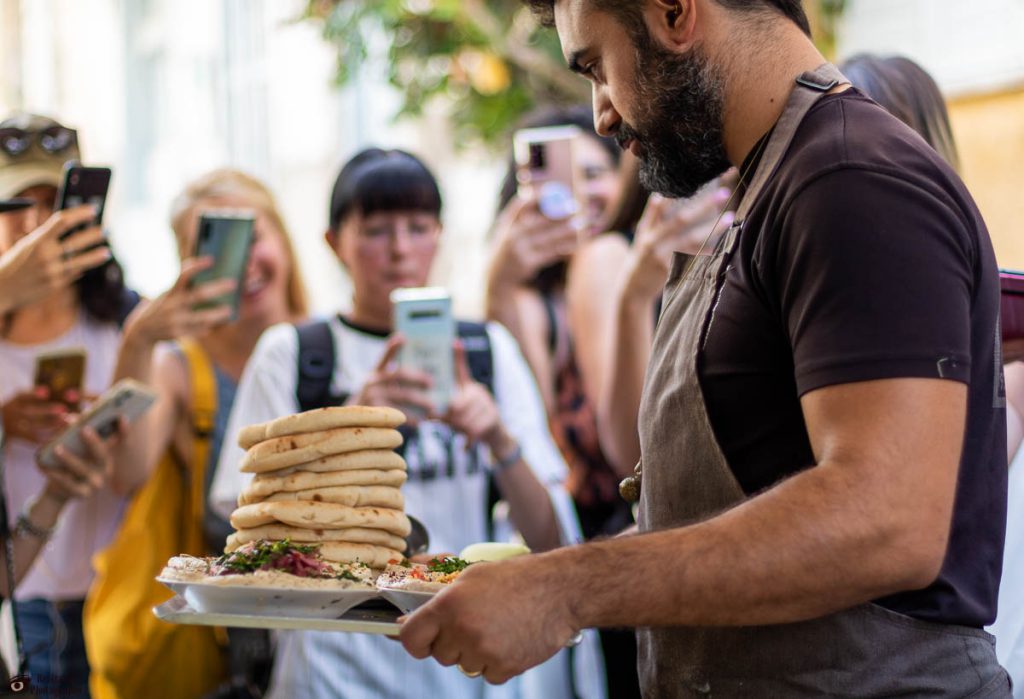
x=63 y=569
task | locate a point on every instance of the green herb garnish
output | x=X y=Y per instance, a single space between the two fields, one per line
x=448 y=564
x=261 y=553
x=347 y=575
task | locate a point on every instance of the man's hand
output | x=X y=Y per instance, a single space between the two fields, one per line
x=41 y=263
x=498 y=619
x=392 y=386
x=34 y=417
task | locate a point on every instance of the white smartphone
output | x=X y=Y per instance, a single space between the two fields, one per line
x=424 y=317
x=127 y=398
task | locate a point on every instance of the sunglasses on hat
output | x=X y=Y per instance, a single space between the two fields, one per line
x=53 y=140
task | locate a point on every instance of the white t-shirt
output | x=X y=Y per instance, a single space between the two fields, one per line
x=63 y=569
x=446 y=491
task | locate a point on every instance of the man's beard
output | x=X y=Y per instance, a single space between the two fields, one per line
x=679 y=123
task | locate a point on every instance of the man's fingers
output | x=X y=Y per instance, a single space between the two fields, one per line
x=419 y=632
x=394 y=344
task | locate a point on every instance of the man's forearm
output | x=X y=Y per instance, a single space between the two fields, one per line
x=809 y=547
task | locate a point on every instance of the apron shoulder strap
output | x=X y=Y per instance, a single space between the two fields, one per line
x=810 y=87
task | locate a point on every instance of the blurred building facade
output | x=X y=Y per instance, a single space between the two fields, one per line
x=163 y=90
x=976 y=54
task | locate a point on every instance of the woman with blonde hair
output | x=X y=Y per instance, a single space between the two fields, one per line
x=194 y=359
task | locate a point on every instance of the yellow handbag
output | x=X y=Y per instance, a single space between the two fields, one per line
x=131 y=653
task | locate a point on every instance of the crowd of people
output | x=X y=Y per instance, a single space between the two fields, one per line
x=542 y=427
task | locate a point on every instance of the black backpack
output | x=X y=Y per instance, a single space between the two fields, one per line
x=316 y=361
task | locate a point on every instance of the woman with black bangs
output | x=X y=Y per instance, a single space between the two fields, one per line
x=385 y=229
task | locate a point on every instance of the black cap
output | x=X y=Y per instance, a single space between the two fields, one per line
x=14 y=204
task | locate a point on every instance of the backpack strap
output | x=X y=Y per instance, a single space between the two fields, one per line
x=477 y=344
x=316 y=360
x=203 y=383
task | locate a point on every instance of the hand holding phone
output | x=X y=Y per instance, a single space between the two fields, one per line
x=83 y=185
x=545 y=164
x=225 y=236
x=125 y=400
x=424 y=318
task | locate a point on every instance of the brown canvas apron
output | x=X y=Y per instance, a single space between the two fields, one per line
x=867 y=651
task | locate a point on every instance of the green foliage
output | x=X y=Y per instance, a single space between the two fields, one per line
x=487 y=59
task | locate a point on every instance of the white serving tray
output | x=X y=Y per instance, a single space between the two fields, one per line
x=379 y=618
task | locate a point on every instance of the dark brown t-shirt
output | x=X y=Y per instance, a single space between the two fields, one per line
x=865 y=258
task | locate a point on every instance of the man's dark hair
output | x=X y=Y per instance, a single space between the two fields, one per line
x=628 y=11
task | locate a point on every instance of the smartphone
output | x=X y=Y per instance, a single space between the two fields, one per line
x=127 y=398
x=84 y=185
x=424 y=317
x=226 y=236
x=545 y=163
x=1011 y=303
x=61 y=371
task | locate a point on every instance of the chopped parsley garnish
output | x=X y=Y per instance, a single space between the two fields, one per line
x=448 y=564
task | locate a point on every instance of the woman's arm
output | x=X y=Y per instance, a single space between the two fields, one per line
x=609 y=347
x=73 y=477
x=168 y=317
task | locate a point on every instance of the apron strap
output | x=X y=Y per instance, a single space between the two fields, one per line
x=810 y=87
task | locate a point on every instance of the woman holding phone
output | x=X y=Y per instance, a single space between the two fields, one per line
x=183 y=339
x=79 y=306
x=385 y=229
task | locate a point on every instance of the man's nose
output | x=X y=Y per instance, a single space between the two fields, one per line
x=606 y=119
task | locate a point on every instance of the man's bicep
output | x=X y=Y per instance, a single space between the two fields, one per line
x=898 y=442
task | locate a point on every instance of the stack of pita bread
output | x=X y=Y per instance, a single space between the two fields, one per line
x=327 y=476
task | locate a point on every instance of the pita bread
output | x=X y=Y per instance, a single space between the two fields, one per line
x=320 y=420
x=320 y=515
x=378 y=459
x=262 y=486
x=351 y=495
x=280 y=532
x=282 y=452
x=373 y=556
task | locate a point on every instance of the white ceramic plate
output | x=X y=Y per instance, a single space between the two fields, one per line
x=270 y=601
x=406 y=600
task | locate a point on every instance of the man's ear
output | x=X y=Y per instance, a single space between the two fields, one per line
x=672 y=23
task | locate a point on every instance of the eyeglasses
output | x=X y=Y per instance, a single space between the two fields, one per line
x=53 y=140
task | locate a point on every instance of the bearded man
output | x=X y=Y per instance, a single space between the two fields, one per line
x=823 y=474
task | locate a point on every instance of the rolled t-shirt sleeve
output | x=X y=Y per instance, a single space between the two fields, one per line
x=873 y=277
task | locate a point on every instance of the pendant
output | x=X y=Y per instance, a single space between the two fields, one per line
x=629 y=488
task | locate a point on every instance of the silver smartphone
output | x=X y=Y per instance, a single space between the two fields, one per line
x=127 y=398
x=227 y=237
x=424 y=317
